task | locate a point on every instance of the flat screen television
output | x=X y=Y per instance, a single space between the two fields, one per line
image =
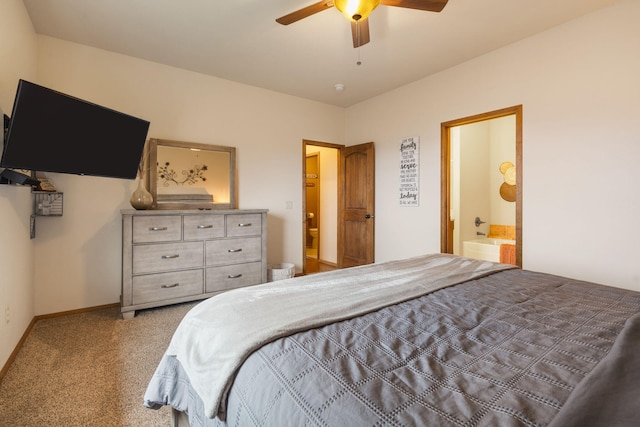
x=50 y=131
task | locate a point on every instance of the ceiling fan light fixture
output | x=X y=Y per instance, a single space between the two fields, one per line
x=355 y=10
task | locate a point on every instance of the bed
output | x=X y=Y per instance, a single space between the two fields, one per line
x=433 y=340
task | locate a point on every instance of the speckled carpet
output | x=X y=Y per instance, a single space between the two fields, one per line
x=89 y=369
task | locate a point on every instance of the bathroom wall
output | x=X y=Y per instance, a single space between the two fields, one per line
x=329 y=205
x=475 y=151
x=502 y=148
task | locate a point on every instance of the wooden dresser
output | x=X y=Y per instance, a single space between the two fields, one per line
x=172 y=256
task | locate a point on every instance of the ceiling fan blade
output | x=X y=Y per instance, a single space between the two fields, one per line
x=305 y=12
x=428 y=5
x=360 y=32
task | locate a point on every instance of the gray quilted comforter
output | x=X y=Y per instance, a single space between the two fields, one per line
x=514 y=348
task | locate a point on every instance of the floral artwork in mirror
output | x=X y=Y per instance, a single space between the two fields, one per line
x=189 y=175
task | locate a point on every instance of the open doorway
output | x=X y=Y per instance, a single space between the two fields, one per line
x=345 y=227
x=312 y=201
x=454 y=218
x=320 y=204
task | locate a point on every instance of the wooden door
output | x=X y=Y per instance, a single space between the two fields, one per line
x=356 y=180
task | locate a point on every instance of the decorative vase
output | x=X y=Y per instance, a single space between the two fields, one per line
x=141 y=198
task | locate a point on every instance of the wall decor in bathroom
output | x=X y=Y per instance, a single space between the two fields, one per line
x=410 y=171
x=508 y=187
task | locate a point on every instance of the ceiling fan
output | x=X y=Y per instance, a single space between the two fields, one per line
x=357 y=12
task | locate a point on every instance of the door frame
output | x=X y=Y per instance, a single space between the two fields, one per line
x=446 y=226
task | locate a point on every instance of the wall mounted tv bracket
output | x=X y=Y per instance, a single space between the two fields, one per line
x=13 y=177
x=8 y=176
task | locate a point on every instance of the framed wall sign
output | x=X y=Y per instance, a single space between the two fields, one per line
x=409 y=189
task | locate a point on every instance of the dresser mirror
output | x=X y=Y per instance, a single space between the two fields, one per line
x=189 y=175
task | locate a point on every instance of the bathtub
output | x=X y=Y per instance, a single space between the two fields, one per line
x=487 y=248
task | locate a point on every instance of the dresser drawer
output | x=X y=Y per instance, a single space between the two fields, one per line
x=233 y=251
x=244 y=225
x=233 y=276
x=167 y=256
x=165 y=286
x=200 y=227
x=161 y=228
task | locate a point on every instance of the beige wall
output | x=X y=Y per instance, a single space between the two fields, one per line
x=18 y=58
x=267 y=129
x=577 y=83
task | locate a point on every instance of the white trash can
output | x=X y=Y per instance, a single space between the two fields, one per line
x=280 y=271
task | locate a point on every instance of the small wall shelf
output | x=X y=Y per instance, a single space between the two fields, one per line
x=47 y=203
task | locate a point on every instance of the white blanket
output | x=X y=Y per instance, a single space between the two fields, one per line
x=218 y=334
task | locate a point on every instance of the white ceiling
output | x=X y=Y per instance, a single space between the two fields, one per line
x=239 y=40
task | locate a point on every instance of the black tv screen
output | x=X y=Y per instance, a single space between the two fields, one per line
x=50 y=131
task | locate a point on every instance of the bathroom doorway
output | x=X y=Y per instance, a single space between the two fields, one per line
x=320 y=206
x=312 y=199
x=500 y=211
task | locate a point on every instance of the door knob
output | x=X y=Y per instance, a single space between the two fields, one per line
x=368 y=216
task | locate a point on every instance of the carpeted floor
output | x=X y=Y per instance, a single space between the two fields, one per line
x=89 y=369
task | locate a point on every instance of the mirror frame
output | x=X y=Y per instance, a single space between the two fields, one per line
x=152 y=175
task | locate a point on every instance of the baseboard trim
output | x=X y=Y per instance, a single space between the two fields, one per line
x=15 y=351
x=328 y=263
x=77 y=311
x=26 y=333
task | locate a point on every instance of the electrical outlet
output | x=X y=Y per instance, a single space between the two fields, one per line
x=289 y=205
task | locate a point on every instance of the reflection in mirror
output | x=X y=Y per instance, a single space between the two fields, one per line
x=189 y=175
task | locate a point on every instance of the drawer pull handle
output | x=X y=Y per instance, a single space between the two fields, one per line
x=170 y=256
x=234 y=276
x=204 y=226
x=235 y=250
x=157 y=228
x=174 y=285
x=242 y=224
